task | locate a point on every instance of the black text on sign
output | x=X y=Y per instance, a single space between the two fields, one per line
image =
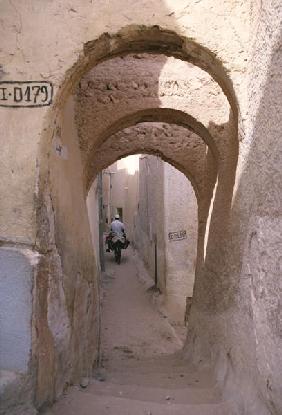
x=30 y=94
x=177 y=236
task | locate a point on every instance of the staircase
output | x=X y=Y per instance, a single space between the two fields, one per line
x=143 y=369
x=149 y=387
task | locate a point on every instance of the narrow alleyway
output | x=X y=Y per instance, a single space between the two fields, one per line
x=132 y=329
x=140 y=370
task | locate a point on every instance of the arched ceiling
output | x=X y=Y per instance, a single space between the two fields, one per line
x=128 y=90
x=121 y=86
x=181 y=147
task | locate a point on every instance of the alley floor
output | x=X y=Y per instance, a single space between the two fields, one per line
x=141 y=369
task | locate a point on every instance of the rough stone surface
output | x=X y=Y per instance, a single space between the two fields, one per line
x=138 y=82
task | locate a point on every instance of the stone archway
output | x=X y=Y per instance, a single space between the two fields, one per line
x=154 y=39
x=42 y=212
x=184 y=149
x=65 y=236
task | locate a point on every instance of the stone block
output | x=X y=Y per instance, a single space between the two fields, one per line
x=16 y=275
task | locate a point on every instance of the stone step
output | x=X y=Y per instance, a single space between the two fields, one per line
x=180 y=395
x=164 y=380
x=79 y=402
x=161 y=373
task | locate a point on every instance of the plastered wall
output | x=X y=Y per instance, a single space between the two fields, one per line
x=149 y=231
x=167 y=207
x=180 y=214
x=92 y=203
x=67 y=301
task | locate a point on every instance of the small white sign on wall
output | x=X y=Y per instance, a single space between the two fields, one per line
x=177 y=236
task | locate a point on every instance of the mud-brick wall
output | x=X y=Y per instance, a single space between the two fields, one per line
x=260 y=212
x=167 y=222
x=240 y=324
x=149 y=229
x=92 y=203
x=66 y=293
x=180 y=216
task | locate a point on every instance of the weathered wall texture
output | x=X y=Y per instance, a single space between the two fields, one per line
x=181 y=213
x=131 y=204
x=92 y=203
x=258 y=258
x=173 y=143
x=137 y=84
x=43 y=192
x=67 y=304
x=167 y=204
x=245 y=282
x=150 y=232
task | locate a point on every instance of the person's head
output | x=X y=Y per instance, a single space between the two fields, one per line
x=116 y=217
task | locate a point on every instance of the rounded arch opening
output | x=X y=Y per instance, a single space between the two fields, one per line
x=151 y=214
x=140 y=39
x=148 y=39
x=161 y=115
x=200 y=166
x=136 y=39
x=62 y=181
x=159 y=154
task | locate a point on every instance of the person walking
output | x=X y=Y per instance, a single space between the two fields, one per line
x=117 y=226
